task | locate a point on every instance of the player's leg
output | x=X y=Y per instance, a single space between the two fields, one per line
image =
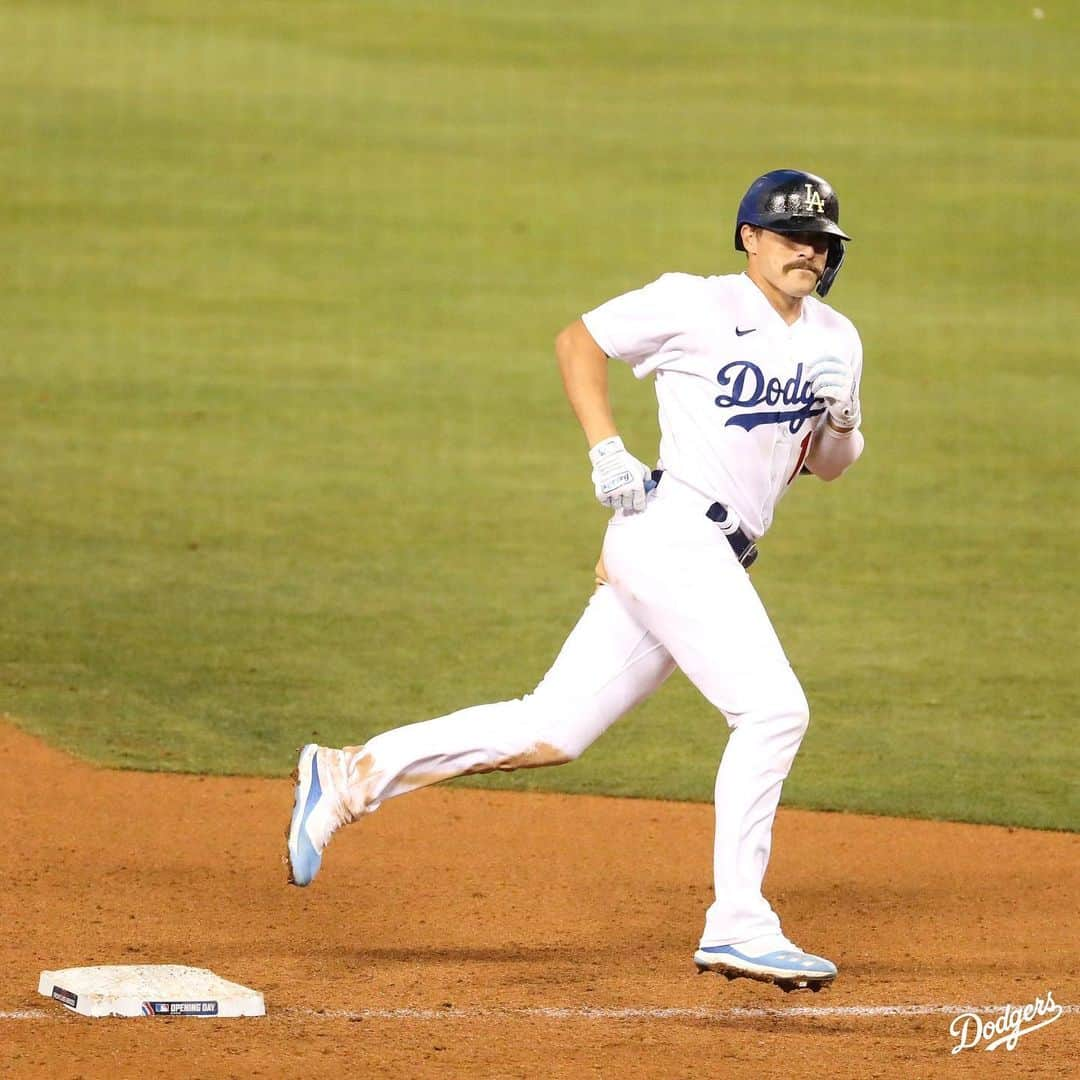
x=678 y=576
x=607 y=665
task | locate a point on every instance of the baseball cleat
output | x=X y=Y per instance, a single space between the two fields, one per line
x=317 y=813
x=777 y=961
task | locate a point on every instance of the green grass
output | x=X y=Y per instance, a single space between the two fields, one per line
x=285 y=449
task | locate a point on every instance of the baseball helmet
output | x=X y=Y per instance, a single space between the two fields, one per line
x=793 y=201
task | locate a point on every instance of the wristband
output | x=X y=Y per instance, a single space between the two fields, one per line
x=838 y=432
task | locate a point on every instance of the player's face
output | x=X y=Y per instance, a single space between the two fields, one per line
x=790 y=263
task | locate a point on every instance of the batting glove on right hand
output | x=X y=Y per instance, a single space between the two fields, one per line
x=833 y=381
x=618 y=476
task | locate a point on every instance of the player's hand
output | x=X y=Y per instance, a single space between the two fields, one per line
x=618 y=476
x=833 y=381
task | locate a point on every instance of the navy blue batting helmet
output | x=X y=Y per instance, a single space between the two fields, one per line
x=793 y=201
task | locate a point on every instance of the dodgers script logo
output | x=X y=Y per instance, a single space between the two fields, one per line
x=749 y=388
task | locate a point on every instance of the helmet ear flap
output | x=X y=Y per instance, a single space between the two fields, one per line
x=832 y=266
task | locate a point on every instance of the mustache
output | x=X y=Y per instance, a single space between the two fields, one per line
x=803 y=264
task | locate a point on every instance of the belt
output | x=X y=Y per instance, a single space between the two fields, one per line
x=745 y=549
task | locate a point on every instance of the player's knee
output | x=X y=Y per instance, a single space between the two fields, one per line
x=786 y=712
x=793 y=713
x=567 y=747
x=800 y=722
x=559 y=744
x=797 y=710
x=545 y=735
x=563 y=725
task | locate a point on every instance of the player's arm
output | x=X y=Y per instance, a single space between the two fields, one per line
x=834 y=450
x=584 y=369
x=618 y=477
x=838 y=442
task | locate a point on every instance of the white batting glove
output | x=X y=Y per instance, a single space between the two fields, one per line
x=618 y=476
x=833 y=381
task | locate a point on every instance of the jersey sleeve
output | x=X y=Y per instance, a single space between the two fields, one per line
x=638 y=326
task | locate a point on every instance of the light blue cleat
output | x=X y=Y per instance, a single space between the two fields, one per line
x=317 y=813
x=786 y=966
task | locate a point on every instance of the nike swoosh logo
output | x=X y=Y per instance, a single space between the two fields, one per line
x=743 y=333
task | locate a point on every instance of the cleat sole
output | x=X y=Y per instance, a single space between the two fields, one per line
x=787 y=983
x=296 y=809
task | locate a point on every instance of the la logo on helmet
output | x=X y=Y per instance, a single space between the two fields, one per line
x=814 y=200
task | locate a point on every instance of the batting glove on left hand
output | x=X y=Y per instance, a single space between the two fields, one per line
x=618 y=476
x=833 y=381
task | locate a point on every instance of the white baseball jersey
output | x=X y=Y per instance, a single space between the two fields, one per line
x=736 y=410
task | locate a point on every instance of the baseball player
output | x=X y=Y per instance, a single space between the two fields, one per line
x=757 y=382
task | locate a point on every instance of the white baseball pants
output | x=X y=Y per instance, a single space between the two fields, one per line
x=677 y=596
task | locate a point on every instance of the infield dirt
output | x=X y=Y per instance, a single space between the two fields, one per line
x=472 y=933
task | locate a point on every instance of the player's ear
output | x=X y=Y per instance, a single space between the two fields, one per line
x=749 y=235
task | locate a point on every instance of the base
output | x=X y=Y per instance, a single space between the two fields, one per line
x=149 y=990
